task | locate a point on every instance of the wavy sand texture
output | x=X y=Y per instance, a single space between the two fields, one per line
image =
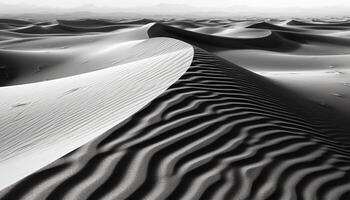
x=220 y=132
x=42 y=121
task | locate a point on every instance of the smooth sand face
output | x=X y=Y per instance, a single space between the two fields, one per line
x=44 y=120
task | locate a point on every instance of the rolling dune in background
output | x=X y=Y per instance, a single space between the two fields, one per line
x=113 y=109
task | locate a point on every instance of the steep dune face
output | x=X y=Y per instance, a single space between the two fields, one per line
x=100 y=111
x=44 y=120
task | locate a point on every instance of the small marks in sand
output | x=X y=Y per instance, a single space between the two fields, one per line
x=4 y=74
x=322 y=103
x=115 y=62
x=99 y=67
x=334 y=72
x=338 y=95
x=346 y=84
x=70 y=91
x=64 y=47
x=21 y=104
x=85 y=61
x=39 y=68
x=25 y=146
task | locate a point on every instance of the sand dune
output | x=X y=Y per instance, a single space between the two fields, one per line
x=94 y=29
x=42 y=121
x=55 y=57
x=312 y=64
x=15 y=22
x=269 y=26
x=111 y=110
x=270 y=41
x=87 y=22
x=233 y=32
x=39 y=29
x=220 y=132
x=301 y=23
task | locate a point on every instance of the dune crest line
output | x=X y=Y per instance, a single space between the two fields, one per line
x=219 y=132
x=239 y=123
x=42 y=121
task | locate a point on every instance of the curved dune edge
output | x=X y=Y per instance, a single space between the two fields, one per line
x=219 y=132
x=41 y=122
x=58 y=57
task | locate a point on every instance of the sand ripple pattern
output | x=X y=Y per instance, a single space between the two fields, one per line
x=218 y=133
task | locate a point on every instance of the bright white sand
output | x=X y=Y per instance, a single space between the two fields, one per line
x=43 y=121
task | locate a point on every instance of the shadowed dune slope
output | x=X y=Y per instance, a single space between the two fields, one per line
x=280 y=41
x=38 y=29
x=220 y=132
x=135 y=21
x=266 y=25
x=302 y=23
x=15 y=22
x=81 y=29
x=47 y=58
x=312 y=63
x=91 y=25
x=87 y=22
x=272 y=41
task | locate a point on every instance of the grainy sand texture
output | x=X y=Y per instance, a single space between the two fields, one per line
x=174 y=109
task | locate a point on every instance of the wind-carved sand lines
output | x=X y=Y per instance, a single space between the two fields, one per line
x=93 y=104
x=220 y=132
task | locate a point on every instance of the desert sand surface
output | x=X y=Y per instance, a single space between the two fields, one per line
x=175 y=109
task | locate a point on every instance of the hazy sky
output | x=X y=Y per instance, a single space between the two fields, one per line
x=281 y=6
x=207 y=3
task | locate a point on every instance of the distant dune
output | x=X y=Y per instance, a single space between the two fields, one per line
x=174 y=109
